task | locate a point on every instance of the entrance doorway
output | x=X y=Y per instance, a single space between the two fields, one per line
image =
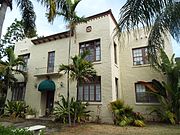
x=49 y=102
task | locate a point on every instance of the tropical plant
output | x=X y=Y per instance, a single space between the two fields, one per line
x=27 y=11
x=77 y=110
x=15 y=109
x=123 y=115
x=158 y=17
x=80 y=70
x=66 y=9
x=168 y=93
x=14 y=131
x=16 y=32
x=8 y=68
x=2 y=102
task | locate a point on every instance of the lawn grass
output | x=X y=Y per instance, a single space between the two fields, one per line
x=104 y=129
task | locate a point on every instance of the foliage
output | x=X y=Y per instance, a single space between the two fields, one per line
x=14 y=131
x=15 y=109
x=16 y=32
x=2 y=102
x=123 y=115
x=27 y=12
x=31 y=111
x=77 y=110
x=158 y=17
x=168 y=93
x=80 y=69
x=7 y=69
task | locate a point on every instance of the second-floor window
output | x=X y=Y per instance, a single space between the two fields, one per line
x=140 y=56
x=50 y=65
x=115 y=53
x=93 y=47
x=25 y=57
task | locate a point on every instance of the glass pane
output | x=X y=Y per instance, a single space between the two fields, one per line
x=86 y=92
x=98 y=92
x=92 y=92
x=80 y=93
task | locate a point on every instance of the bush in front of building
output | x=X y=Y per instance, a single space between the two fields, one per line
x=14 y=131
x=2 y=102
x=15 y=109
x=124 y=115
x=78 y=110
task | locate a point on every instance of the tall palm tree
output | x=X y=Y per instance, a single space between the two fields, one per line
x=158 y=17
x=66 y=9
x=80 y=69
x=8 y=68
x=27 y=11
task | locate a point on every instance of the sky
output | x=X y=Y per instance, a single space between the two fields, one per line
x=85 y=8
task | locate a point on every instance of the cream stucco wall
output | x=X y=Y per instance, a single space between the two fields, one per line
x=131 y=74
x=127 y=74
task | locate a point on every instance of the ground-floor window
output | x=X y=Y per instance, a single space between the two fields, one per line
x=90 y=90
x=143 y=95
x=18 y=92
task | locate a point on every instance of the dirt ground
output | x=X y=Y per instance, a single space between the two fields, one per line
x=104 y=129
x=55 y=128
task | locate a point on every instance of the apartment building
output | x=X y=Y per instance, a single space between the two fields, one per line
x=119 y=66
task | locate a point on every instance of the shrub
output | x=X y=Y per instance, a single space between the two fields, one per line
x=15 y=109
x=77 y=110
x=14 y=131
x=123 y=115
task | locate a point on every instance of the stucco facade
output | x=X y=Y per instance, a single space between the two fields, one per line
x=117 y=78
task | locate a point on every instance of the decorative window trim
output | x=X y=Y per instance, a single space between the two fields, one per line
x=88 y=29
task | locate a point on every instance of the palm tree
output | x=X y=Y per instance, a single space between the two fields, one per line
x=66 y=9
x=80 y=69
x=158 y=17
x=27 y=11
x=8 y=68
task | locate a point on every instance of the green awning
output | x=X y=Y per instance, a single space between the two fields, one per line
x=47 y=85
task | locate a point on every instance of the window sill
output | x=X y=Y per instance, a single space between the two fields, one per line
x=94 y=103
x=147 y=104
x=144 y=65
x=97 y=62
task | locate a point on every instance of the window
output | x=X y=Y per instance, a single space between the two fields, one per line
x=116 y=87
x=90 y=91
x=143 y=95
x=51 y=57
x=94 y=48
x=26 y=59
x=115 y=53
x=18 y=92
x=140 y=56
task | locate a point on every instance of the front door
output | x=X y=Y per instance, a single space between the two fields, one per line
x=49 y=102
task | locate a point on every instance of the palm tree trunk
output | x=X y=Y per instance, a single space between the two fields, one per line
x=68 y=83
x=3 y=9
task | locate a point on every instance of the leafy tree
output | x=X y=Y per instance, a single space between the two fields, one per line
x=16 y=32
x=66 y=9
x=80 y=69
x=167 y=92
x=158 y=17
x=8 y=68
x=27 y=11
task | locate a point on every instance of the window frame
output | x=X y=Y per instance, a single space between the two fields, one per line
x=50 y=69
x=144 y=56
x=21 y=67
x=147 y=94
x=17 y=91
x=91 y=43
x=95 y=82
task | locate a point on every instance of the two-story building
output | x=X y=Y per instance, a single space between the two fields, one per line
x=119 y=66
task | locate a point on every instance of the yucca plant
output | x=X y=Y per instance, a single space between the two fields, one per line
x=78 y=110
x=15 y=109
